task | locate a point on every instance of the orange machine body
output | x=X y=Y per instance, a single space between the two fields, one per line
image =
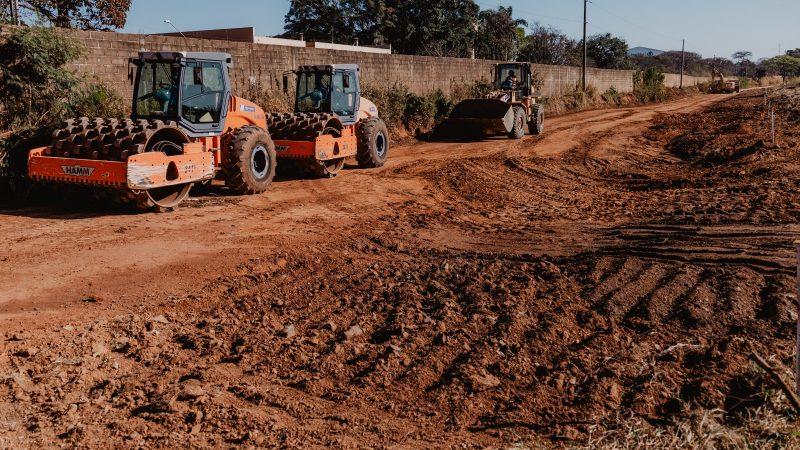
x=323 y=148
x=200 y=160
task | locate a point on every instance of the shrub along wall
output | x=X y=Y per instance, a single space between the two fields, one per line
x=107 y=55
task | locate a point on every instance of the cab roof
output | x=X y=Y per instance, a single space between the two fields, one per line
x=328 y=67
x=179 y=56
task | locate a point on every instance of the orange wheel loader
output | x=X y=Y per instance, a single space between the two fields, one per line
x=185 y=128
x=330 y=123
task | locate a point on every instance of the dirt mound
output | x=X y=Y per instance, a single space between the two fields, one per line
x=732 y=130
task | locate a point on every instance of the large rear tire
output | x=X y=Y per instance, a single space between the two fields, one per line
x=536 y=125
x=518 y=130
x=250 y=164
x=373 y=143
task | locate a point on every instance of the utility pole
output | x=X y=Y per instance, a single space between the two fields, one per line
x=585 y=26
x=683 y=59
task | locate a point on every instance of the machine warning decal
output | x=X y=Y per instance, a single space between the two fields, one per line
x=250 y=109
x=77 y=171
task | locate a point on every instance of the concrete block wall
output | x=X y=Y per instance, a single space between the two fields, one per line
x=674 y=80
x=107 y=56
x=560 y=79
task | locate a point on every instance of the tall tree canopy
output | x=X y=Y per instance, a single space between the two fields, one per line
x=608 y=52
x=430 y=27
x=784 y=65
x=742 y=55
x=82 y=14
x=499 y=34
x=548 y=45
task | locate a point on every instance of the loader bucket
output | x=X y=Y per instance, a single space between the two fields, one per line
x=488 y=116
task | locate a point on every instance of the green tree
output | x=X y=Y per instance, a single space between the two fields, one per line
x=432 y=27
x=608 y=52
x=795 y=53
x=499 y=34
x=37 y=91
x=318 y=20
x=724 y=65
x=82 y=14
x=429 y=27
x=744 y=66
x=548 y=45
x=784 y=65
x=671 y=62
x=742 y=55
x=34 y=85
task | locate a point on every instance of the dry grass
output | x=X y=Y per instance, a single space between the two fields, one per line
x=771 y=425
x=270 y=99
x=763 y=429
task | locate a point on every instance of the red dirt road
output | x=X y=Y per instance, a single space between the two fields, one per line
x=537 y=292
x=53 y=257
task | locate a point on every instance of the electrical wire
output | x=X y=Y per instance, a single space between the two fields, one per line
x=635 y=24
x=531 y=13
x=535 y=15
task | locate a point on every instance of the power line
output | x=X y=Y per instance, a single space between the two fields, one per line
x=531 y=13
x=526 y=12
x=635 y=24
x=534 y=15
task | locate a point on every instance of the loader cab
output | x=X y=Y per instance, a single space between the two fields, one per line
x=191 y=88
x=330 y=89
x=524 y=79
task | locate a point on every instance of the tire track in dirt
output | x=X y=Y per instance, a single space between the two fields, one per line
x=491 y=292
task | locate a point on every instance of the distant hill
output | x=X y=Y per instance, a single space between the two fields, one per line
x=644 y=51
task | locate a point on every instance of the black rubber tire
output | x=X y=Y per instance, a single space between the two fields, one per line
x=373 y=143
x=241 y=171
x=518 y=129
x=536 y=125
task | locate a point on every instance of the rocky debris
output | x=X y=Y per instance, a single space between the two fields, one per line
x=353 y=332
x=26 y=352
x=192 y=389
x=159 y=319
x=99 y=349
x=483 y=380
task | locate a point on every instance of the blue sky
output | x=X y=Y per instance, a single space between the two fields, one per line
x=710 y=26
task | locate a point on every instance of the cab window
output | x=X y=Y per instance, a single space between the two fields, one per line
x=344 y=93
x=203 y=92
x=313 y=90
x=157 y=90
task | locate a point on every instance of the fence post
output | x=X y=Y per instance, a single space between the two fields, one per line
x=772 y=121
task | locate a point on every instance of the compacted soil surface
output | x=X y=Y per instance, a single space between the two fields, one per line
x=604 y=282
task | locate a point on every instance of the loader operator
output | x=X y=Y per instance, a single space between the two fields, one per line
x=511 y=80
